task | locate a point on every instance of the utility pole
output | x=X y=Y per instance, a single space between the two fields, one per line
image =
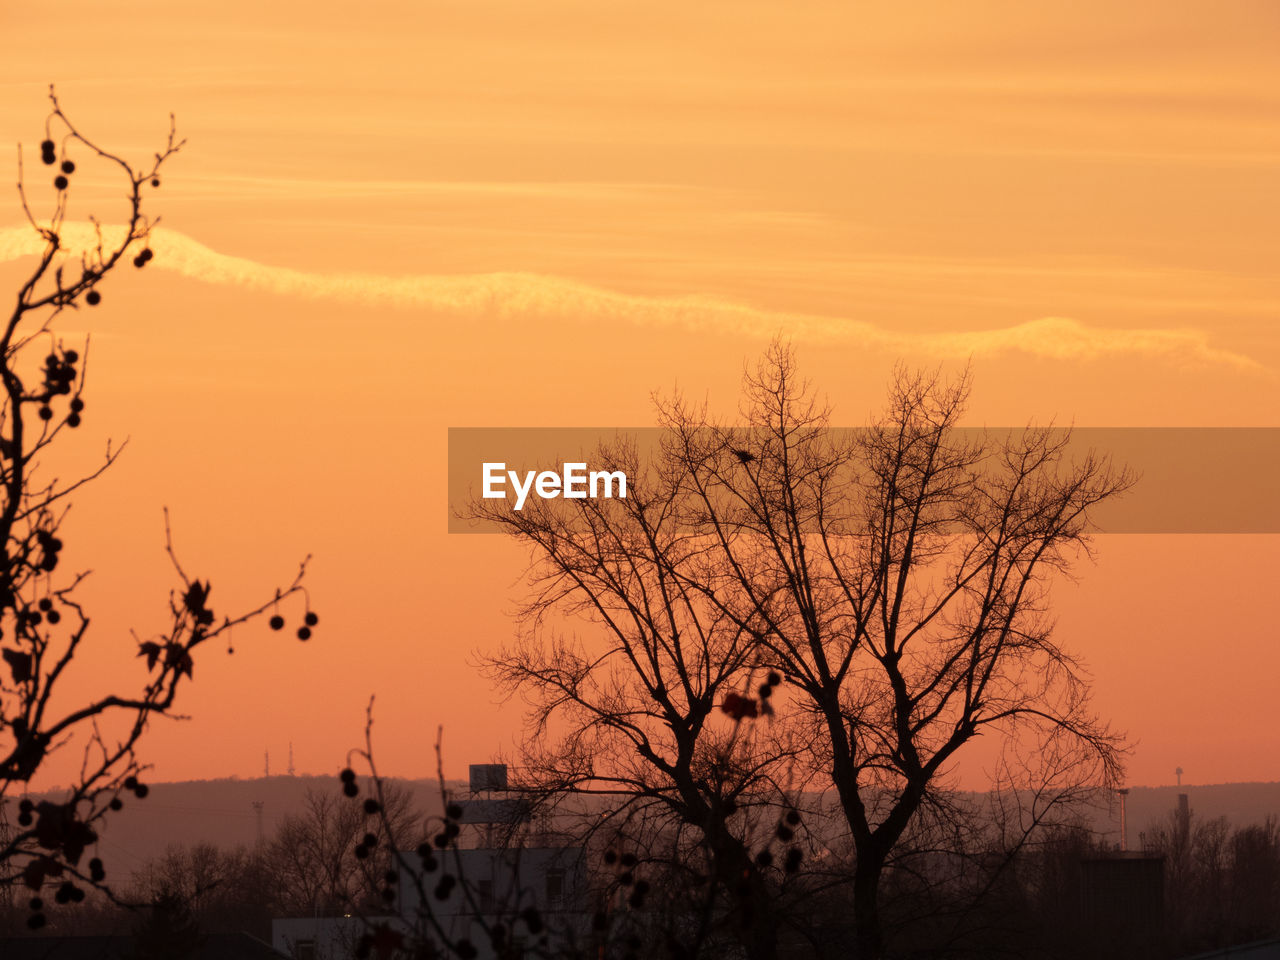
x=257 y=809
x=1124 y=825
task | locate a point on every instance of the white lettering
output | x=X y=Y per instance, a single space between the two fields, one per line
x=548 y=484
x=575 y=481
x=521 y=491
x=609 y=478
x=493 y=479
x=572 y=483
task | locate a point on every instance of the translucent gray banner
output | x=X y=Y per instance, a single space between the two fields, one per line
x=1189 y=479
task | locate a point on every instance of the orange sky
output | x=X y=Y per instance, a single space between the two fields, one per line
x=484 y=213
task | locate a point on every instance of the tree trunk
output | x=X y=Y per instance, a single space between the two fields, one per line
x=760 y=939
x=754 y=915
x=866 y=910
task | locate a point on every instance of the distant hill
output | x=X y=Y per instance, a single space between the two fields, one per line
x=221 y=812
x=1240 y=803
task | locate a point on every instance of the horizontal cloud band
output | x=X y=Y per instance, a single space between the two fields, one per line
x=535 y=296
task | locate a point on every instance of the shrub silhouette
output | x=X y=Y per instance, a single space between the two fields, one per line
x=43 y=626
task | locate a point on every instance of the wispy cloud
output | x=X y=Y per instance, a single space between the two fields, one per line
x=331 y=189
x=539 y=297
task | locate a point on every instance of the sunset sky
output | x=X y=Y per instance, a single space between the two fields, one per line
x=394 y=219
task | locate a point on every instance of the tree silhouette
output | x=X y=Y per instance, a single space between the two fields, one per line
x=43 y=625
x=226 y=890
x=877 y=597
x=167 y=930
x=645 y=710
x=313 y=860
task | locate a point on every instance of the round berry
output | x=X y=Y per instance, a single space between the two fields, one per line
x=304 y=633
x=347 y=775
x=45 y=412
x=45 y=604
x=311 y=619
x=276 y=622
x=70 y=356
x=93 y=298
x=60 y=182
x=47 y=146
x=76 y=404
x=68 y=166
x=155 y=181
x=73 y=420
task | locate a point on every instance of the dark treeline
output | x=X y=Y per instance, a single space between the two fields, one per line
x=952 y=893
x=1194 y=886
x=308 y=867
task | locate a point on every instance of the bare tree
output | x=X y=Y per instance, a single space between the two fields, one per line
x=224 y=890
x=640 y=703
x=894 y=579
x=1222 y=883
x=331 y=858
x=44 y=626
